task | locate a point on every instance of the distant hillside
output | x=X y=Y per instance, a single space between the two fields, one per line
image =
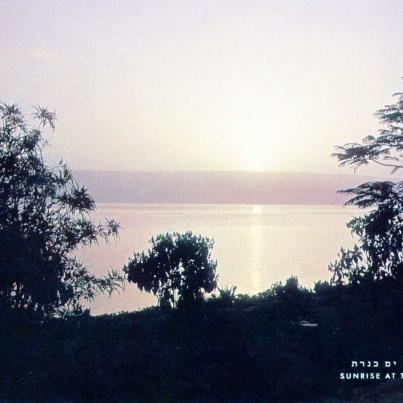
x=217 y=187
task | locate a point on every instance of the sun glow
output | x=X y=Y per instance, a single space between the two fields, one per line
x=254 y=155
x=257 y=209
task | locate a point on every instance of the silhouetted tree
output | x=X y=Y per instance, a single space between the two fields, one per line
x=379 y=251
x=44 y=217
x=177 y=268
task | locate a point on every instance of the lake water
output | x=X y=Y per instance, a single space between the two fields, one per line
x=254 y=245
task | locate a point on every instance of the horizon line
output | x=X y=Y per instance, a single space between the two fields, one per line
x=221 y=172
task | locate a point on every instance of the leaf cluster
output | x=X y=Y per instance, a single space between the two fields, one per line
x=177 y=268
x=379 y=251
x=44 y=218
x=383 y=149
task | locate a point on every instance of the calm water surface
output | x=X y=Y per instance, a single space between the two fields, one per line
x=254 y=245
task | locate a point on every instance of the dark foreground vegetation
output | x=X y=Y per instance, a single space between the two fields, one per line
x=227 y=348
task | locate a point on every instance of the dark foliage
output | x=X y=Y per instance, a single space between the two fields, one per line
x=177 y=269
x=379 y=251
x=44 y=217
x=288 y=344
x=383 y=149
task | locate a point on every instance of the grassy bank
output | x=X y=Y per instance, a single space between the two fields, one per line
x=288 y=343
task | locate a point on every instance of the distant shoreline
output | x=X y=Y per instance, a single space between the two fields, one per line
x=206 y=204
x=238 y=188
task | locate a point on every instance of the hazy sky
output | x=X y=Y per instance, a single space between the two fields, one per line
x=203 y=85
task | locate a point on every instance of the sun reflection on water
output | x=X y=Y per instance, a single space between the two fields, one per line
x=257 y=209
